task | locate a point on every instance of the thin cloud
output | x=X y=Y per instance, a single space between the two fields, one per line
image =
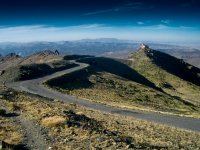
x=31 y=28
x=166 y=21
x=102 y=11
x=84 y=26
x=127 y=6
x=162 y=27
x=157 y=27
x=139 y=5
x=20 y=28
x=135 y=5
x=47 y=33
x=140 y=23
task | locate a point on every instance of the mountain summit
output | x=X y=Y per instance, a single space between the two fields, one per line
x=172 y=75
x=143 y=46
x=166 y=62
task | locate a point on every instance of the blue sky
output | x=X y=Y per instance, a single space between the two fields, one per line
x=139 y=20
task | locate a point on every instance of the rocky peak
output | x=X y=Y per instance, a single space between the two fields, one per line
x=143 y=46
x=143 y=51
x=45 y=52
x=12 y=55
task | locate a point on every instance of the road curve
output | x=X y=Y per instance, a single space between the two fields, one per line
x=35 y=87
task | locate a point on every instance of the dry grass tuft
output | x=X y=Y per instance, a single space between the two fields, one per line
x=8 y=132
x=14 y=107
x=53 y=121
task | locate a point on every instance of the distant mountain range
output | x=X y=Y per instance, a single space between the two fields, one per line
x=92 y=47
x=100 y=47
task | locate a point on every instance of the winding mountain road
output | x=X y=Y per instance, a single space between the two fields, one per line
x=35 y=87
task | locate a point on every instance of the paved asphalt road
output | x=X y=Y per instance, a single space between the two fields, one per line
x=35 y=87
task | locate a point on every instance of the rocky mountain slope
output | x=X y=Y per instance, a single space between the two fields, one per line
x=14 y=67
x=137 y=82
x=173 y=75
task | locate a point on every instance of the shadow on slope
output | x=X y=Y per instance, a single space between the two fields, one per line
x=75 y=80
x=75 y=57
x=7 y=146
x=175 y=66
x=32 y=71
x=39 y=70
x=98 y=64
x=118 y=68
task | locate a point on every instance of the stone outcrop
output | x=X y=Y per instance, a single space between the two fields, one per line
x=143 y=46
